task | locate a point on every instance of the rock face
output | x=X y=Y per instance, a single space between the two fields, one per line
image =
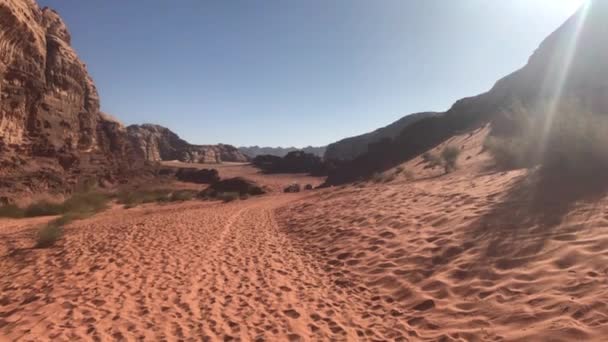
x=49 y=108
x=351 y=148
x=158 y=143
x=571 y=64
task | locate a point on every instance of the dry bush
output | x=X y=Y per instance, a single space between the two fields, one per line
x=49 y=234
x=228 y=196
x=449 y=157
x=431 y=159
x=567 y=138
x=79 y=203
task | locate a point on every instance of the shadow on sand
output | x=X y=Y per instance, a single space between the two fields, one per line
x=518 y=227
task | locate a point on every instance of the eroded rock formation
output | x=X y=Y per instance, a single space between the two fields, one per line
x=159 y=143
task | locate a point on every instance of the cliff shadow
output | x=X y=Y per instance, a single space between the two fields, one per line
x=517 y=228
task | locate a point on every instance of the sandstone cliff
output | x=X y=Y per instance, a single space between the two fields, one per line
x=157 y=143
x=49 y=107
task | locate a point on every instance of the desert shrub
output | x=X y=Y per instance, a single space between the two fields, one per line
x=11 y=211
x=431 y=159
x=409 y=175
x=449 y=157
x=227 y=196
x=576 y=144
x=49 y=234
x=43 y=208
x=137 y=197
x=382 y=177
x=510 y=153
x=182 y=195
x=566 y=138
x=88 y=202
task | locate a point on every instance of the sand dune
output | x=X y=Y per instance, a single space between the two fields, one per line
x=460 y=259
x=470 y=256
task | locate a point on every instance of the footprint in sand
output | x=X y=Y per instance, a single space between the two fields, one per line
x=292 y=313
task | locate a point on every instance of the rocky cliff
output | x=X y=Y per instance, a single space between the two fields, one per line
x=158 y=143
x=50 y=121
x=351 y=148
x=570 y=64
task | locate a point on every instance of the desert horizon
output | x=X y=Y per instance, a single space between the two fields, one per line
x=485 y=221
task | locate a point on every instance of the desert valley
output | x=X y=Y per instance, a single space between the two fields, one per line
x=487 y=222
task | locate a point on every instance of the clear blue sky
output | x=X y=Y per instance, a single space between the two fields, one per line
x=307 y=72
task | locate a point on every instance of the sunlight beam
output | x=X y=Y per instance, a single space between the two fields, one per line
x=553 y=86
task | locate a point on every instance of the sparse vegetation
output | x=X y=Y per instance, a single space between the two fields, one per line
x=431 y=159
x=409 y=175
x=510 y=153
x=49 y=234
x=79 y=203
x=11 y=211
x=383 y=177
x=449 y=157
x=182 y=195
x=567 y=139
x=131 y=199
x=227 y=196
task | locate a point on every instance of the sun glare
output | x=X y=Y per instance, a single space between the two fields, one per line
x=554 y=86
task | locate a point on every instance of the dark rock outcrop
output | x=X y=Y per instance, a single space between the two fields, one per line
x=238 y=185
x=351 y=148
x=293 y=162
x=254 y=151
x=572 y=63
x=158 y=143
x=199 y=176
x=50 y=121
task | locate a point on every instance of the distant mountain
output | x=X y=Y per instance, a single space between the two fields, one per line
x=350 y=148
x=254 y=151
x=157 y=143
x=570 y=64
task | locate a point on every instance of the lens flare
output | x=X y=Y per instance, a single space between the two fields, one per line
x=557 y=77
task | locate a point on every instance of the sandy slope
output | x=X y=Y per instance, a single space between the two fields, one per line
x=476 y=255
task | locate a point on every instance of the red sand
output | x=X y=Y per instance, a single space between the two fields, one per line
x=460 y=257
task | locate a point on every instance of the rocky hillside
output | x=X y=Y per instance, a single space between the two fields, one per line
x=572 y=63
x=351 y=148
x=51 y=130
x=157 y=143
x=254 y=151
